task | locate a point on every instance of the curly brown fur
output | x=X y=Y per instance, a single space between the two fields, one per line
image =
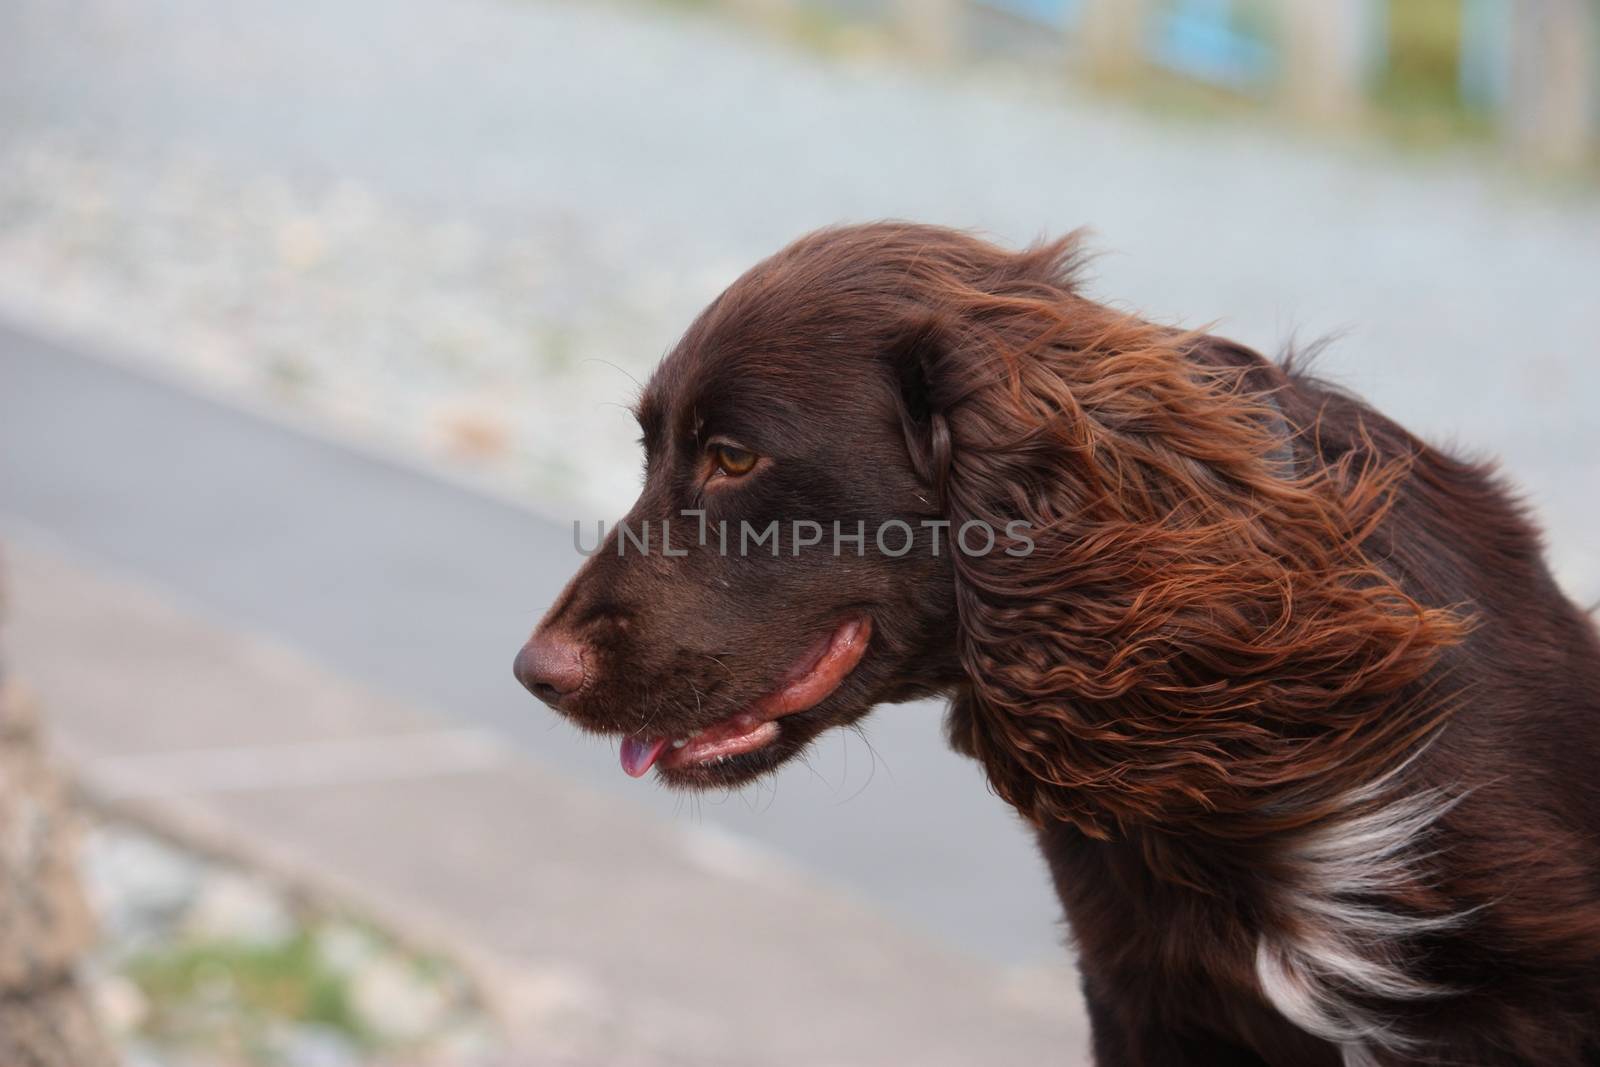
x=1302 y=721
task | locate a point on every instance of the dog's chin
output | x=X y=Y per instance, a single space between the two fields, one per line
x=730 y=771
x=769 y=730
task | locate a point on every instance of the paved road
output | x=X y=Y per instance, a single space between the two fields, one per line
x=425 y=590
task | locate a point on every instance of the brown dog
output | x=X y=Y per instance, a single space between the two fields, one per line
x=1305 y=726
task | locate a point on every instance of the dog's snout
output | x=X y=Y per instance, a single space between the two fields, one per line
x=550 y=665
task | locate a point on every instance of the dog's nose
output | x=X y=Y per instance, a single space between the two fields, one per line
x=551 y=666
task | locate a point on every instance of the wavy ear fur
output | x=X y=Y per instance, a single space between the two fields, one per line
x=1198 y=629
x=917 y=357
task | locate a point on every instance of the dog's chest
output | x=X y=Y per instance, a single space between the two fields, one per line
x=1180 y=957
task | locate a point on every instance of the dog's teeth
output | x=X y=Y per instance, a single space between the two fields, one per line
x=680 y=742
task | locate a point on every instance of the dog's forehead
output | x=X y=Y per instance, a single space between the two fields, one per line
x=711 y=382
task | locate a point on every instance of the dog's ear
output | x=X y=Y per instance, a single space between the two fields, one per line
x=919 y=359
x=1179 y=625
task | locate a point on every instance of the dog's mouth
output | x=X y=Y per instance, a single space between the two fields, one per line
x=808 y=683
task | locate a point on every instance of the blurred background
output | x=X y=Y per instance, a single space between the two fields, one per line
x=318 y=325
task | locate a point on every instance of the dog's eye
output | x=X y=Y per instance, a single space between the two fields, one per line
x=732 y=460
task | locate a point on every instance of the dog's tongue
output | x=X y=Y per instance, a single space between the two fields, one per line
x=638 y=756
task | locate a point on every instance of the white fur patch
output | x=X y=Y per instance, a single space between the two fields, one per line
x=1341 y=940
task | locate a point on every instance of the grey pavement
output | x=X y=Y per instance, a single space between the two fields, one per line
x=597 y=935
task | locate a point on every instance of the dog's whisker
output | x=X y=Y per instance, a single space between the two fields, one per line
x=872 y=770
x=619 y=369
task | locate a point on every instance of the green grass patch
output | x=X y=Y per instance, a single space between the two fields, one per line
x=230 y=996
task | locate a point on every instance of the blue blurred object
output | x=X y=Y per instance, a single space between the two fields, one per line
x=1061 y=14
x=1486 y=28
x=1203 y=39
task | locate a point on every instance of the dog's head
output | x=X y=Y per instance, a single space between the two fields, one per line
x=779 y=574
x=895 y=460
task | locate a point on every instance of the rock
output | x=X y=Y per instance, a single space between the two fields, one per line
x=345 y=948
x=44 y=919
x=398 y=1000
x=314 y=1046
x=121 y=1004
x=465 y=1044
x=140 y=886
x=45 y=928
x=51 y=1026
x=235 y=907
